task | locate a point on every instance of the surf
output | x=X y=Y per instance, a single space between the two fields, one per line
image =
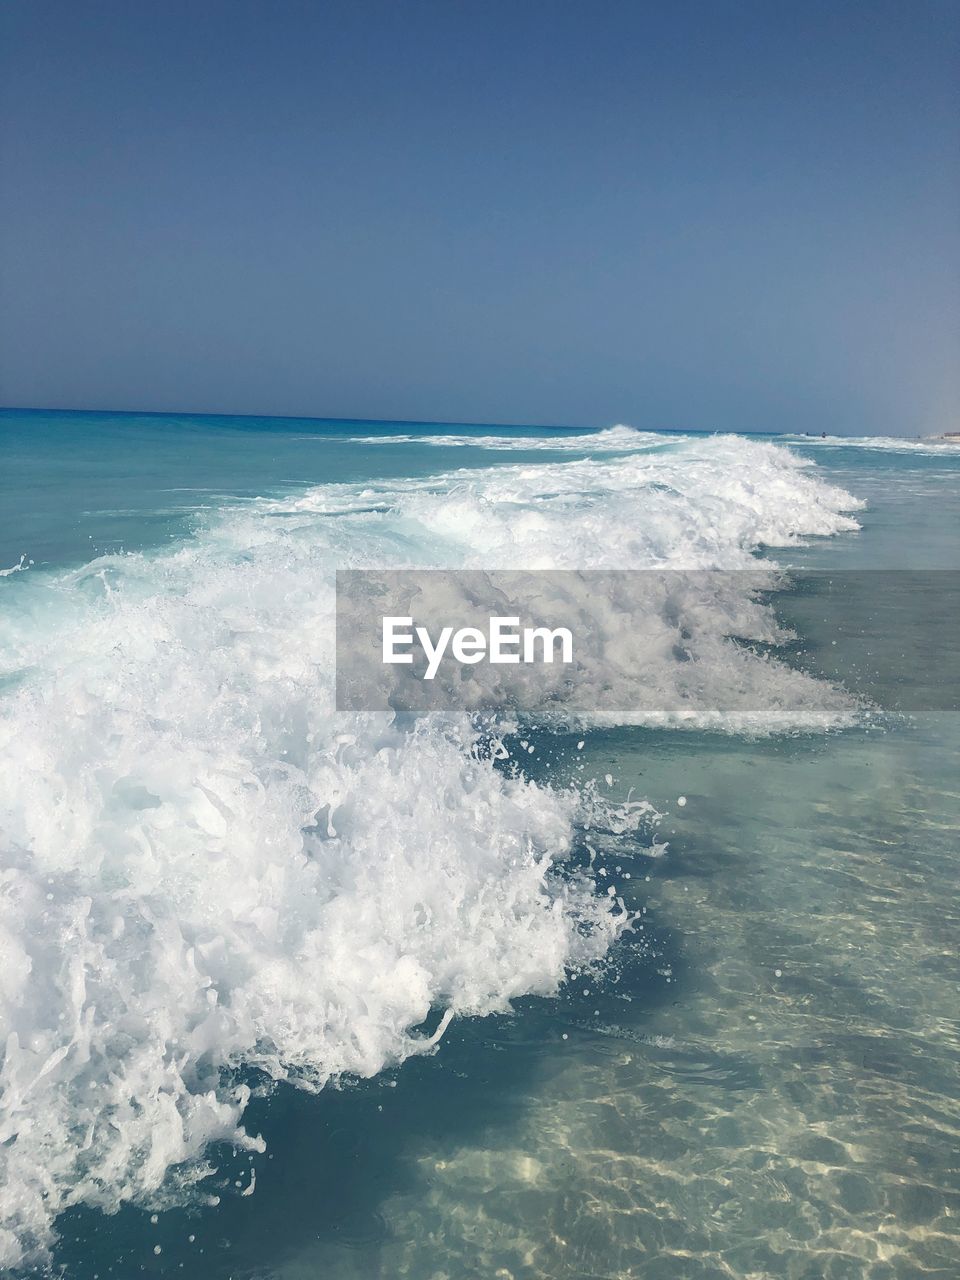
x=211 y=876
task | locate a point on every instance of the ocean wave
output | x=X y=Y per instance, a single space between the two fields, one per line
x=709 y=503
x=209 y=870
x=883 y=444
x=607 y=439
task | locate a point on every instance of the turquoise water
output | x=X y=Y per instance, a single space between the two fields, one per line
x=77 y=484
x=213 y=882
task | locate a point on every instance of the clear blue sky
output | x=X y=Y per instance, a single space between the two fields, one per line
x=718 y=214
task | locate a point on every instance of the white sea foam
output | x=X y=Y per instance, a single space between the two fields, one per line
x=618 y=439
x=206 y=868
x=883 y=444
x=14 y=568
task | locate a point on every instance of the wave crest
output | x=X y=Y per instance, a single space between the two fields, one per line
x=208 y=870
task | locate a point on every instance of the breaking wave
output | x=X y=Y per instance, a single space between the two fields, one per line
x=619 y=439
x=208 y=870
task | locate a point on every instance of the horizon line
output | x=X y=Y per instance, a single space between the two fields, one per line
x=400 y=422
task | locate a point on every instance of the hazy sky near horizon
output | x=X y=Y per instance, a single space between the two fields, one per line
x=728 y=214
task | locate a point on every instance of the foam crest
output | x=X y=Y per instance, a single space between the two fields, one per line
x=708 y=503
x=943 y=444
x=607 y=440
x=208 y=871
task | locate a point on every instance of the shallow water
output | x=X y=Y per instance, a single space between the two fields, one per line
x=761 y=1080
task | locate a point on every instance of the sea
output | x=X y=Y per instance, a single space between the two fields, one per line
x=661 y=981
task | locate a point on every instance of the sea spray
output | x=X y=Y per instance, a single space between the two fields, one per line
x=208 y=869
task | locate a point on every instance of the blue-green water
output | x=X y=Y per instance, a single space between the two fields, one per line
x=77 y=484
x=213 y=881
